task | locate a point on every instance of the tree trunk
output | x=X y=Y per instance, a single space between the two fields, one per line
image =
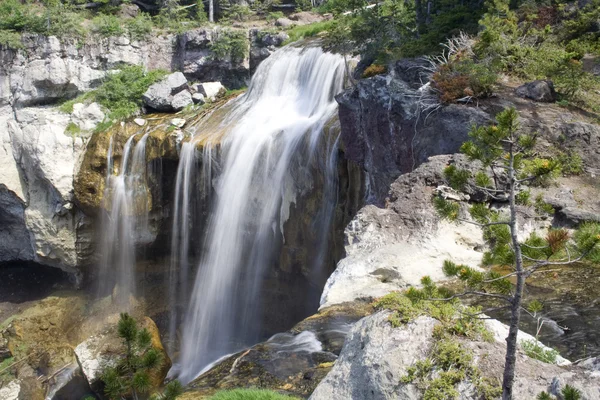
x=511 y=340
x=211 y=10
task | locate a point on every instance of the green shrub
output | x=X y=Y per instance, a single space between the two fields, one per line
x=122 y=92
x=535 y=350
x=250 y=394
x=139 y=27
x=230 y=45
x=238 y=12
x=10 y=39
x=571 y=393
x=107 y=25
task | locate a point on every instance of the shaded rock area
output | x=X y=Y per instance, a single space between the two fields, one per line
x=293 y=362
x=541 y=90
x=376 y=355
x=386 y=133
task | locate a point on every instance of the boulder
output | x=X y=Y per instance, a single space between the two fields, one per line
x=178 y=122
x=306 y=17
x=129 y=10
x=198 y=98
x=86 y=117
x=210 y=90
x=11 y=390
x=139 y=121
x=106 y=348
x=160 y=95
x=284 y=22
x=376 y=356
x=181 y=100
x=540 y=90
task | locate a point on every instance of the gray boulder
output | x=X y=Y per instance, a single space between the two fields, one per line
x=198 y=98
x=210 y=90
x=181 y=100
x=375 y=356
x=159 y=96
x=540 y=90
x=284 y=22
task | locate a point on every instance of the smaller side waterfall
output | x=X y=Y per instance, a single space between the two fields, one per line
x=125 y=222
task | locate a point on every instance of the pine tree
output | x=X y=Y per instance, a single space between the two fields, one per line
x=507 y=164
x=131 y=376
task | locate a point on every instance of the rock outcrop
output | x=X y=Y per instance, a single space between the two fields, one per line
x=542 y=91
x=376 y=356
x=36 y=187
x=386 y=131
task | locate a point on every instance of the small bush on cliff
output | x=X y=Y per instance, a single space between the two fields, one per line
x=10 y=39
x=131 y=375
x=121 y=92
x=230 y=45
x=107 y=25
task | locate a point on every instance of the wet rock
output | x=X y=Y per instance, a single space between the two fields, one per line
x=105 y=349
x=139 y=121
x=161 y=95
x=178 y=122
x=382 y=131
x=86 y=117
x=540 y=90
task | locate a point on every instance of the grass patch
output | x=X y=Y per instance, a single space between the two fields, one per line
x=306 y=31
x=250 y=394
x=72 y=129
x=535 y=350
x=10 y=39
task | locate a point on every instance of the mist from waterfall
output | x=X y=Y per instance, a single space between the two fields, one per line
x=125 y=221
x=267 y=145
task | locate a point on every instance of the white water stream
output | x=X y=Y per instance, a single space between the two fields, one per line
x=268 y=132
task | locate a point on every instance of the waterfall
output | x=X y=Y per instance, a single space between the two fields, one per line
x=126 y=220
x=269 y=144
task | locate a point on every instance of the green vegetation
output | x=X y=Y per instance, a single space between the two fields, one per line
x=448 y=362
x=568 y=393
x=121 y=93
x=230 y=45
x=508 y=164
x=250 y=394
x=132 y=374
x=308 y=31
x=534 y=349
x=67 y=18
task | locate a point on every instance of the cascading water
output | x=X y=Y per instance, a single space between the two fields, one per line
x=126 y=221
x=269 y=144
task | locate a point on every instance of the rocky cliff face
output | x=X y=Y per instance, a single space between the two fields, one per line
x=40 y=159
